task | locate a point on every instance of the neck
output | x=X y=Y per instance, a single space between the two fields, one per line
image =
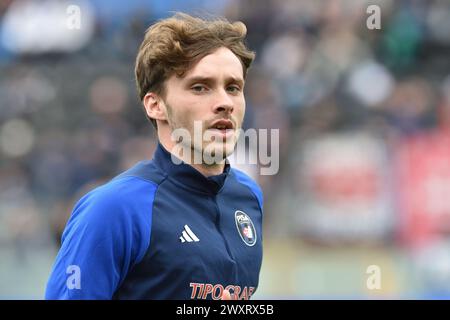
x=206 y=169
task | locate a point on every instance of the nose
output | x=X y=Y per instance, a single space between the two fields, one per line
x=224 y=103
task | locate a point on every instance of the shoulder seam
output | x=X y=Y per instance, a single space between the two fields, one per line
x=153 y=205
x=140 y=178
x=162 y=173
x=252 y=192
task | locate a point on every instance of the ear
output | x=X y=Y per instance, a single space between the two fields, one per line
x=154 y=106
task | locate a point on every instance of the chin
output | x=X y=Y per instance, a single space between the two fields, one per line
x=229 y=149
x=219 y=151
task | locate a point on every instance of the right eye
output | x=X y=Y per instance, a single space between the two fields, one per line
x=198 y=88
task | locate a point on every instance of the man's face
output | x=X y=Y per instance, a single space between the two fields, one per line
x=210 y=93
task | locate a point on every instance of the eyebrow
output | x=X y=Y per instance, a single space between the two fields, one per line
x=212 y=80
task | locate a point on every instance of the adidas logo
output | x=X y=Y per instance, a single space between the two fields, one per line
x=188 y=235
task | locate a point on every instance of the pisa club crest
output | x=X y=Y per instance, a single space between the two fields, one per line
x=245 y=228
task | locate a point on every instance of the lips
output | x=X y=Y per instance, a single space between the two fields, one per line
x=222 y=125
x=224 y=128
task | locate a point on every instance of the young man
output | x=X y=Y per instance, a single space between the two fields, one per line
x=179 y=226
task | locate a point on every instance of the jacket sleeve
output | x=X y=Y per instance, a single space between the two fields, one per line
x=108 y=232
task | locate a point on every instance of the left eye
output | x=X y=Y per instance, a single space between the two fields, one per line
x=234 y=89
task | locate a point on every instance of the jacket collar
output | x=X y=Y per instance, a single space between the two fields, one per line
x=188 y=175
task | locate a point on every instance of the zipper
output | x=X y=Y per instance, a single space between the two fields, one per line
x=225 y=240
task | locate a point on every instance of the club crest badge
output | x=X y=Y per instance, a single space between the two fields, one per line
x=245 y=228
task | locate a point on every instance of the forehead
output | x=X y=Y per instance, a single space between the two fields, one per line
x=221 y=63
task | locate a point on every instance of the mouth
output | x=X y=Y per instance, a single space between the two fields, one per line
x=224 y=128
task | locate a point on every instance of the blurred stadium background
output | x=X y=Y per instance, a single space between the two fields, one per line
x=364 y=119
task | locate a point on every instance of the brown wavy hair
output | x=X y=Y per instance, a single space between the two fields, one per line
x=173 y=45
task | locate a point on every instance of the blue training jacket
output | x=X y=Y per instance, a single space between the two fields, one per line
x=162 y=231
